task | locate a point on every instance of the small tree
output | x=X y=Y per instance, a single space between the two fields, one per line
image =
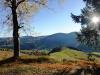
x=90 y=25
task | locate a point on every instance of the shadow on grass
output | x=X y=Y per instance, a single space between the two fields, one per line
x=92 y=70
x=81 y=71
x=26 y=61
x=7 y=61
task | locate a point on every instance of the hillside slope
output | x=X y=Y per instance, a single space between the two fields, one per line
x=45 y=42
x=69 y=54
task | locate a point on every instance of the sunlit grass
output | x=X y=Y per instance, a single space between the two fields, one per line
x=5 y=54
x=69 y=54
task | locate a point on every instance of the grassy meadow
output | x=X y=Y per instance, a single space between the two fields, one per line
x=64 y=62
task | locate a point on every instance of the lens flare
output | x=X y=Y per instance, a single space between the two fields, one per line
x=95 y=19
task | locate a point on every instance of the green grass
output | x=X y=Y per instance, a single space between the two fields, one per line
x=97 y=53
x=69 y=54
x=73 y=55
x=26 y=50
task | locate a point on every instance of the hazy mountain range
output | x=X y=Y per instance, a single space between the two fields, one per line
x=45 y=42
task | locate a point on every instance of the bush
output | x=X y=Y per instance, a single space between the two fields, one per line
x=57 y=49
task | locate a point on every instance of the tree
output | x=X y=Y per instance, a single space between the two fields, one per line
x=18 y=10
x=90 y=24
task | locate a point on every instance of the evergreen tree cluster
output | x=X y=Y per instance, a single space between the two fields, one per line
x=90 y=31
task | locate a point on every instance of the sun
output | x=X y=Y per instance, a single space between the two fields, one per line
x=95 y=19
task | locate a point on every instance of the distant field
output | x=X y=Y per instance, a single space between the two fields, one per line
x=65 y=54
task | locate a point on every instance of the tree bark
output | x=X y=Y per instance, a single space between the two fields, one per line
x=16 y=46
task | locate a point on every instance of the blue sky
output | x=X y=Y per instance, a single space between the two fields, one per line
x=48 y=22
x=57 y=20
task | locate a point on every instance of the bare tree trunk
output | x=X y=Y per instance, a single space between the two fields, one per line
x=15 y=30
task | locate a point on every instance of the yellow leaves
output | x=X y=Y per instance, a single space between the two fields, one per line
x=27 y=8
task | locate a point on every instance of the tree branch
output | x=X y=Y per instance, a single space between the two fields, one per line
x=20 y=2
x=36 y=1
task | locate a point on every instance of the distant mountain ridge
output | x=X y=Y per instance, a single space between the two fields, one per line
x=59 y=40
x=45 y=42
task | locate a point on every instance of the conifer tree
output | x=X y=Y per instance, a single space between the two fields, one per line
x=90 y=24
